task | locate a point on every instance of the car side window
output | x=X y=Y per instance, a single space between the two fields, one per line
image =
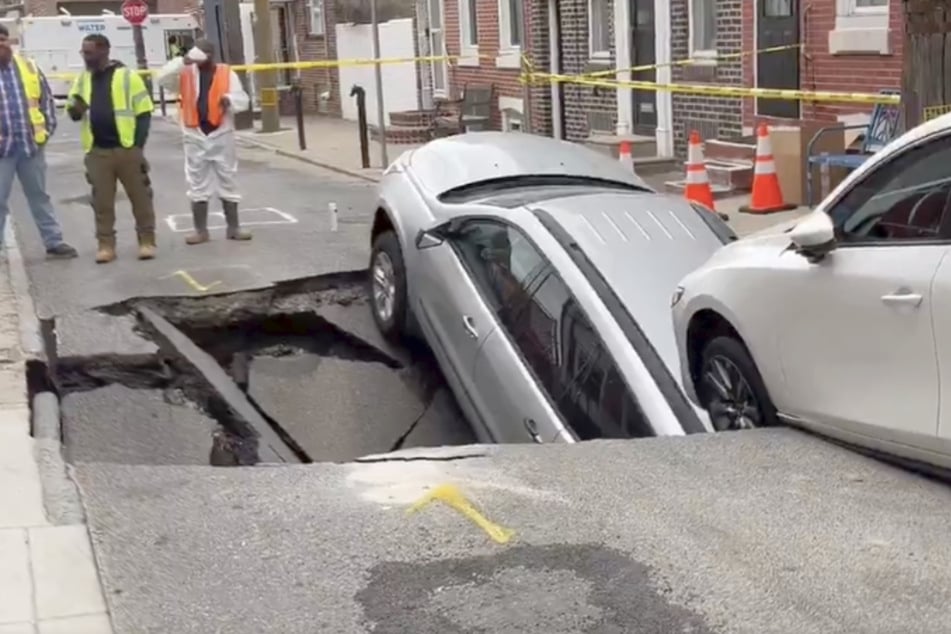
x=551 y=332
x=905 y=199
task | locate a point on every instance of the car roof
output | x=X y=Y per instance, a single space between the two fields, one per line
x=642 y=244
x=463 y=159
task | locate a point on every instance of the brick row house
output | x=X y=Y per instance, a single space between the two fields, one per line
x=565 y=37
x=844 y=45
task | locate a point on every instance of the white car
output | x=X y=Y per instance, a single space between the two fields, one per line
x=840 y=323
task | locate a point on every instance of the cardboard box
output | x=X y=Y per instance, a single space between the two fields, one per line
x=790 y=143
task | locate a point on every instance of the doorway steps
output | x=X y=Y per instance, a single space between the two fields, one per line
x=729 y=167
x=643 y=152
x=411 y=127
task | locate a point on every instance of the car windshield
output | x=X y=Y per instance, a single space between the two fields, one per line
x=481 y=189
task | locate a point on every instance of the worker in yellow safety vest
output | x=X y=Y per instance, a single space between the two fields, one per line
x=27 y=120
x=116 y=112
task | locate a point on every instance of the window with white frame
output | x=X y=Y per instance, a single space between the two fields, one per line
x=600 y=17
x=510 y=24
x=511 y=120
x=468 y=25
x=861 y=26
x=315 y=9
x=703 y=28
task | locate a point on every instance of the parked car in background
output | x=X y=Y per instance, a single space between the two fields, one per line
x=540 y=274
x=841 y=323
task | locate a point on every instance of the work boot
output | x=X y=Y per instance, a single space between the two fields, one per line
x=231 y=217
x=200 y=218
x=107 y=250
x=147 y=246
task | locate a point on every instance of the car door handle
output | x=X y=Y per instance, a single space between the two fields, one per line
x=532 y=427
x=902 y=299
x=469 y=324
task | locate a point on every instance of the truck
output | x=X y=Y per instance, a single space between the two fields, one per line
x=54 y=42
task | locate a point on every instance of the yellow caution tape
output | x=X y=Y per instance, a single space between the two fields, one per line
x=727 y=91
x=690 y=61
x=599 y=79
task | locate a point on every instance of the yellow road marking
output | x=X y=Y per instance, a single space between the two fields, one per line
x=451 y=496
x=191 y=281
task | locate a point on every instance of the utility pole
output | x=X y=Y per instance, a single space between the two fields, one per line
x=378 y=71
x=925 y=85
x=267 y=79
x=141 y=61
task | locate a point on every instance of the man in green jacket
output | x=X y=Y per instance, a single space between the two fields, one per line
x=116 y=110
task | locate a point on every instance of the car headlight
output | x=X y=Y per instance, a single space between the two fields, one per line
x=677 y=296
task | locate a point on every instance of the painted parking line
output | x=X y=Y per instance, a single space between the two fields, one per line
x=451 y=496
x=180 y=223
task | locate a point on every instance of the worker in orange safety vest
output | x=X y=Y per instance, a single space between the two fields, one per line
x=210 y=93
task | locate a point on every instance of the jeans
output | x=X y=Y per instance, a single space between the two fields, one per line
x=31 y=170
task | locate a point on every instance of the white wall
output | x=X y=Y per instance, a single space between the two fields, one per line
x=355 y=41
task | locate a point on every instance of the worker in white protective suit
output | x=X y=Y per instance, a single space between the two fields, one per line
x=210 y=94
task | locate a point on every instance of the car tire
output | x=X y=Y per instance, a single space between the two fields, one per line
x=739 y=398
x=388 y=286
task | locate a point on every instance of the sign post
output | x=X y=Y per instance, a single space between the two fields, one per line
x=136 y=12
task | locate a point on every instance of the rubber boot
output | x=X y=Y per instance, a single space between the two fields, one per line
x=147 y=246
x=107 y=250
x=231 y=217
x=200 y=218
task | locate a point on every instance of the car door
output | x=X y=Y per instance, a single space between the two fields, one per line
x=856 y=332
x=456 y=319
x=550 y=374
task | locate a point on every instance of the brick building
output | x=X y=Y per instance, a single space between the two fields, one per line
x=489 y=37
x=834 y=45
x=853 y=46
x=307 y=32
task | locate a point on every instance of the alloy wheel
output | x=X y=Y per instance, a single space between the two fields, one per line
x=730 y=400
x=384 y=286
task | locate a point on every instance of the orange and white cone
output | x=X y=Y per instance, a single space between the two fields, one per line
x=624 y=155
x=697 y=187
x=767 y=196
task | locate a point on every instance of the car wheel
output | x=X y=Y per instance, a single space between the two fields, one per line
x=731 y=388
x=388 y=285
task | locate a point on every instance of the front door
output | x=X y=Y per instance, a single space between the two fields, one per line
x=777 y=25
x=642 y=54
x=437 y=47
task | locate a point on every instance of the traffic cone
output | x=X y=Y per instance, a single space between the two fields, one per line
x=767 y=197
x=624 y=155
x=697 y=187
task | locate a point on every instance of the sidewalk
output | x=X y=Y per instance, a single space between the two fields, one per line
x=335 y=144
x=332 y=143
x=48 y=578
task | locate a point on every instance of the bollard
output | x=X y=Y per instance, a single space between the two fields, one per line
x=332 y=210
x=161 y=94
x=362 y=124
x=298 y=92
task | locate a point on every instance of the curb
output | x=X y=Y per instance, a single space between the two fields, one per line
x=31 y=337
x=261 y=145
x=60 y=494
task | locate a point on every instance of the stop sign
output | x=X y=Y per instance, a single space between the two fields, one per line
x=135 y=11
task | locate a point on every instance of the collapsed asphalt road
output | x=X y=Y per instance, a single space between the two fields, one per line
x=305 y=356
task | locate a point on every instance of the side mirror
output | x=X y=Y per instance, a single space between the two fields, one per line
x=428 y=239
x=814 y=236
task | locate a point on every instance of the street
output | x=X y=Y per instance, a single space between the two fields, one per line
x=370 y=396
x=763 y=531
